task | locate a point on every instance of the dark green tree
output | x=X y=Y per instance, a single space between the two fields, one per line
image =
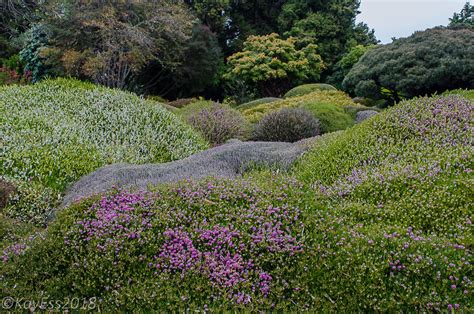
x=329 y=24
x=464 y=18
x=197 y=73
x=429 y=61
x=346 y=63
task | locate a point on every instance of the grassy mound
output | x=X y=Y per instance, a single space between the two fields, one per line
x=54 y=132
x=331 y=117
x=466 y=93
x=307 y=89
x=257 y=102
x=379 y=219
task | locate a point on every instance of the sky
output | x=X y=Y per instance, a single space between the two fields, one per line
x=400 y=18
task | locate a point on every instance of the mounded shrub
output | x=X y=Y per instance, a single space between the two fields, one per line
x=412 y=162
x=332 y=118
x=193 y=108
x=307 y=89
x=6 y=190
x=286 y=125
x=56 y=131
x=364 y=115
x=218 y=123
x=257 y=102
x=182 y=102
x=337 y=98
x=466 y=93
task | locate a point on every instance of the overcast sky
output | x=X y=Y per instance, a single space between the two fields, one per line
x=400 y=18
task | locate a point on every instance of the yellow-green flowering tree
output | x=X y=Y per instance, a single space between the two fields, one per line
x=273 y=64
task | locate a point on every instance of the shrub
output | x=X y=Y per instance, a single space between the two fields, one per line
x=157 y=98
x=194 y=107
x=218 y=123
x=466 y=93
x=286 y=125
x=337 y=98
x=6 y=190
x=331 y=117
x=257 y=102
x=56 y=131
x=364 y=115
x=183 y=102
x=307 y=89
x=395 y=160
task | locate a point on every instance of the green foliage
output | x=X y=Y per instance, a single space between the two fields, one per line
x=331 y=117
x=329 y=24
x=257 y=102
x=111 y=43
x=286 y=125
x=196 y=70
x=307 y=89
x=376 y=165
x=194 y=107
x=430 y=61
x=336 y=98
x=466 y=93
x=273 y=63
x=464 y=18
x=56 y=131
x=347 y=62
x=36 y=40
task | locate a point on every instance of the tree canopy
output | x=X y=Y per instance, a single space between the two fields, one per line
x=426 y=62
x=273 y=64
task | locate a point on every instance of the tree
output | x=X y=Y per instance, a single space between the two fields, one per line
x=197 y=71
x=464 y=18
x=329 y=24
x=274 y=64
x=430 y=61
x=111 y=42
x=346 y=63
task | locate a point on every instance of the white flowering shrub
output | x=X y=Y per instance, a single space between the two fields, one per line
x=56 y=131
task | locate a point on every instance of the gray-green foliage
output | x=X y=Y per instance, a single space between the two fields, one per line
x=426 y=62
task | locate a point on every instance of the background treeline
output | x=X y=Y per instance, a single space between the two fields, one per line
x=239 y=49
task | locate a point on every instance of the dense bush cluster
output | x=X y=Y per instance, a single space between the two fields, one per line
x=286 y=125
x=371 y=224
x=54 y=132
x=428 y=61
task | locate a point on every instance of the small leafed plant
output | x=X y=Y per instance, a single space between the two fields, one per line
x=218 y=123
x=286 y=125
